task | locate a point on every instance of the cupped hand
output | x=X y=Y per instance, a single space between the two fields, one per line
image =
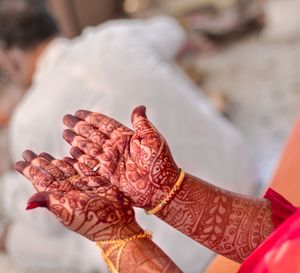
x=81 y=200
x=138 y=161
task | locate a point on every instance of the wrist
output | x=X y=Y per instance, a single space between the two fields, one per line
x=165 y=187
x=166 y=198
x=112 y=250
x=121 y=232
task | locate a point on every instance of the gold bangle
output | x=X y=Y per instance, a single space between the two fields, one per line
x=118 y=245
x=169 y=196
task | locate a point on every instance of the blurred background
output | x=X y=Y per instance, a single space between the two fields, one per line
x=244 y=55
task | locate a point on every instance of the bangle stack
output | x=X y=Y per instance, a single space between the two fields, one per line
x=169 y=196
x=118 y=245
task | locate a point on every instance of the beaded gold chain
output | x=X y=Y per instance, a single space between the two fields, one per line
x=118 y=245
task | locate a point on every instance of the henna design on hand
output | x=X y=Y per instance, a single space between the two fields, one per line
x=99 y=214
x=138 y=162
x=142 y=166
x=98 y=211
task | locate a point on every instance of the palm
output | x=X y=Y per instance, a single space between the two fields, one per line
x=85 y=204
x=138 y=162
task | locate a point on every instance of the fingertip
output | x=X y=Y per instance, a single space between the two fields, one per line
x=76 y=152
x=139 y=111
x=39 y=199
x=70 y=120
x=29 y=155
x=69 y=135
x=82 y=114
x=20 y=166
x=47 y=156
x=69 y=160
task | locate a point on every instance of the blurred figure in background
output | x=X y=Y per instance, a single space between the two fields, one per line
x=109 y=68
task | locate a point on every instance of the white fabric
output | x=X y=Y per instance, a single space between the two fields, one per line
x=113 y=68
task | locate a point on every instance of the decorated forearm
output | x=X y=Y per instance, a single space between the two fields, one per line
x=230 y=224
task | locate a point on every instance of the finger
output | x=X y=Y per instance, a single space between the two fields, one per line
x=105 y=165
x=83 y=158
x=40 y=179
x=63 y=166
x=38 y=200
x=88 y=182
x=66 y=168
x=47 y=156
x=105 y=124
x=81 y=169
x=29 y=155
x=85 y=130
x=44 y=164
x=86 y=146
x=142 y=126
x=58 y=203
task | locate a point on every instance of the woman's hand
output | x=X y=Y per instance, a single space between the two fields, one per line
x=81 y=200
x=138 y=162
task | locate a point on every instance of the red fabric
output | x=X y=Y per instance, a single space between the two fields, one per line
x=282 y=245
x=280 y=253
x=281 y=207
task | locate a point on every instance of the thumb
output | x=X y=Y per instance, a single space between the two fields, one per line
x=52 y=201
x=44 y=199
x=139 y=120
x=40 y=199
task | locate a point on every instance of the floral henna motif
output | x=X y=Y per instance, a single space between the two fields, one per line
x=230 y=224
x=138 y=162
x=100 y=214
x=97 y=216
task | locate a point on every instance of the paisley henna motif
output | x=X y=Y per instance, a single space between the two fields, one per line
x=141 y=165
x=98 y=211
x=83 y=203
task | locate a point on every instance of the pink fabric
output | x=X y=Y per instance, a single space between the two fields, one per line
x=281 y=251
x=281 y=207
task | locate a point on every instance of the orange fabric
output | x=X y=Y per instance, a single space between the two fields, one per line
x=222 y=265
x=286 y=180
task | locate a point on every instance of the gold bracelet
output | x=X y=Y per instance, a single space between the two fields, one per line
x=169 y=196
x=118 y=245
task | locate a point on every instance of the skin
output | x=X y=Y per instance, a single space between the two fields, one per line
x=140 y=164
x=20 y=64
x=87 y=204
x=288 y=169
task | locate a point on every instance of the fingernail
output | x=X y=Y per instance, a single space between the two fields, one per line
x=82 y=114
x=38 y=200
x=20 y=166
x=47 y=156
x=69 y=160
x=29 y=155
x=76 y=152
x=69 y=136
x=32 y=205
x=139 y=111
x=70 y=121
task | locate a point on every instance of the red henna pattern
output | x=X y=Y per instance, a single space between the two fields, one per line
x=230 y=224
x=139 y=163
x=102 y=214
